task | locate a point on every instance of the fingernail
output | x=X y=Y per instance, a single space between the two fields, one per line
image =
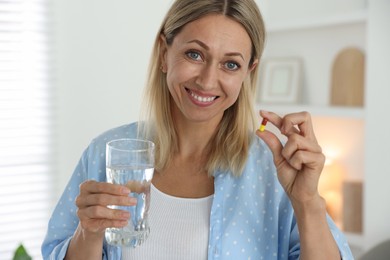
x=264 y=111
x=125 y=190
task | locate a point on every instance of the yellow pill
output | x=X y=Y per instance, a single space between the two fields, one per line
x=262 y=128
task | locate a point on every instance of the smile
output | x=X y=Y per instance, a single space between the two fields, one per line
x=200 y=98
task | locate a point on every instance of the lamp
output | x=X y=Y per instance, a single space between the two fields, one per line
x=330 y=188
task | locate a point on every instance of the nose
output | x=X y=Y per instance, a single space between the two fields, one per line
x=208 y=77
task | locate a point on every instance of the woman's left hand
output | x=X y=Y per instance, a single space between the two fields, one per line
x=300 y=161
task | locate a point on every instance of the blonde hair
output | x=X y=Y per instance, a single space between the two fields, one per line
x=229 y=148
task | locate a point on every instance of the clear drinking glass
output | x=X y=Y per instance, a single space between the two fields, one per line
x=130 y=162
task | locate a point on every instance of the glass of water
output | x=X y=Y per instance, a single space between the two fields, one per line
x=130 y=162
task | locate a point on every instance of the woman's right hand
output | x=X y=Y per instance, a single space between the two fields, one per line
x=92 y=204
x=95 y=217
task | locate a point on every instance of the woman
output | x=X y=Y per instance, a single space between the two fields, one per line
x=219 y=191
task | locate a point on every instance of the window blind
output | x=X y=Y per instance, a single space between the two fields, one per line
x=26 y=126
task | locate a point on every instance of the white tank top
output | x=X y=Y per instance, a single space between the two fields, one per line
x=179 y=229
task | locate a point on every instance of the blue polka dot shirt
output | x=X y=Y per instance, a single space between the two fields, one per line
x=251 y=217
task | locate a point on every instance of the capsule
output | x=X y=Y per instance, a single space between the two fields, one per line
x=263 y=124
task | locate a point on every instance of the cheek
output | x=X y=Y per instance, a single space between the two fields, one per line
x=233 y=87
x=175 y=78
x=172 y=74
x=178 y=73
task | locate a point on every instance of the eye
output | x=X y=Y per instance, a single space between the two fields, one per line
x=194 y=55
x=232 y=65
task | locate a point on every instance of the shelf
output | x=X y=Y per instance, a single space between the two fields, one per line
x=325 y=111
x=317 y=22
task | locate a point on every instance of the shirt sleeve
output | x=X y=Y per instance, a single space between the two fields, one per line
x=64 y=220
x=341 y=241
x=338 y=236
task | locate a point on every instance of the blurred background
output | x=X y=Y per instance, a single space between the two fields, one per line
x=70 y=70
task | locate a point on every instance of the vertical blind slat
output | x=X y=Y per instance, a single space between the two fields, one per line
x=26 y=111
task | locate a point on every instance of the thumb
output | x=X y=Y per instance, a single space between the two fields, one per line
x=273 y=143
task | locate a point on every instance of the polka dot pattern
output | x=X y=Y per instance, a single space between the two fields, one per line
x=251 y=216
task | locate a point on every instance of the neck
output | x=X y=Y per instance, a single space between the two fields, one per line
x=193 y=138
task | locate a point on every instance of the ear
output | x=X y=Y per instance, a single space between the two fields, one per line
x=253 y=66
x=163 y=53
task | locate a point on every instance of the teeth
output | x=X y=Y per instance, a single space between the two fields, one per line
x=202 y=99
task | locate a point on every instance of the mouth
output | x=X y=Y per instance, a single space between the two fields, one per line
x=201 y=99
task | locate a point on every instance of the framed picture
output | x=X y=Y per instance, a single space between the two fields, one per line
x=280 y=81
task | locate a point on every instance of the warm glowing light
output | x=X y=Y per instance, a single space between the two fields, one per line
x=330 y=187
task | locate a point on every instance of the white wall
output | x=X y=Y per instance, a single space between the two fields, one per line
x=297 y=9
x=102 y=53
x=377 y=154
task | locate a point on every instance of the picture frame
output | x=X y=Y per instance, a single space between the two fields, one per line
x=280 y=81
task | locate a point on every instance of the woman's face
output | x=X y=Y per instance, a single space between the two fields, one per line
x=206 y=66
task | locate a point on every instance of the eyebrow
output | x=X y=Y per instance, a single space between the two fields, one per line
x=203 y=45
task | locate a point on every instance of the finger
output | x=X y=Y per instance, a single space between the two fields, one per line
x=137 y=187
x=272 y=117
x=312 y=161
x=293 y=123
x=104 y=200
x=274 y=144
x=98 y=225
x=100 y=212
x=278 y=121
x=91 y=186
x=302 y=120
x=297 y=142
x=112 y=223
